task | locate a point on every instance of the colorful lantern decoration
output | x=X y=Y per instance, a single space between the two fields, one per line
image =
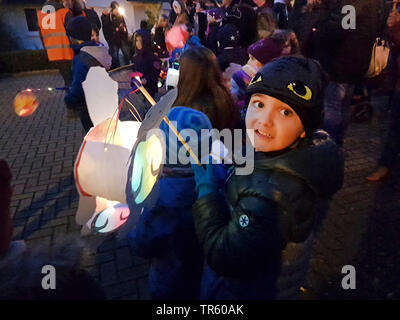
x=25 y=103
x=102 y=163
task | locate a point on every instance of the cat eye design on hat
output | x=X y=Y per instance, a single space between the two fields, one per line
x=300 y=90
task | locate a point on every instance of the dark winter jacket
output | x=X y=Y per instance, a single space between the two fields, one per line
x=114 y=29
x=244 y=18
x=211 y=37
x=227 y=56
x=281 y=12
x=88 y=54
x=165 y=234
x=335 y=47
x=257 y=242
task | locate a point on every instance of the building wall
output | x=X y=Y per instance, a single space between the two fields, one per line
x=15 y=25
x=14 y=22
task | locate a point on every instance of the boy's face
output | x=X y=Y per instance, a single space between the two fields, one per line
x=276 y=126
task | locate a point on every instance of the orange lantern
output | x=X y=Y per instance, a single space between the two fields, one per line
x=25 y=103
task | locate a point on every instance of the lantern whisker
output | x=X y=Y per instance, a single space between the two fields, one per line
x=134 y=108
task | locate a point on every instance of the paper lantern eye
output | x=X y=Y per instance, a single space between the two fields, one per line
x=300 y=90
x=110 y=219
x=146 y=167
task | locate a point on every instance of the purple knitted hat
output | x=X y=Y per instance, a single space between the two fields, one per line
x=265 y=50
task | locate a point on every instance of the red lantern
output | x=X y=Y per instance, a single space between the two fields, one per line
x=176 y=37
x=25 y=103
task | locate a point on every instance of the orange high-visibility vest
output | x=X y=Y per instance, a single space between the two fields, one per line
x=56 y=41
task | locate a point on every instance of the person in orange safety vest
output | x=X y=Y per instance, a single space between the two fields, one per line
x=55 y=39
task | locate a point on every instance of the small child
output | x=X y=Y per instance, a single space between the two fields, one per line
x=165 y=233
x=260 y=53
x=257 y=235
x=146 y=62
x=88 y=53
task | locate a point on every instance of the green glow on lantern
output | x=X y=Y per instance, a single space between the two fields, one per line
x=146 y=167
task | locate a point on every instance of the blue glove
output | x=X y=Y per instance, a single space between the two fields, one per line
x=206 y=179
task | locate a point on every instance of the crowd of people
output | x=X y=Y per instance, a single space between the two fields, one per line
x=285 y=69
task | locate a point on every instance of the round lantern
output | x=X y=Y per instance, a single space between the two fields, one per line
x=25 y=103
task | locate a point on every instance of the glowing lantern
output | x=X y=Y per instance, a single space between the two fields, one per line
x=176 y=37
x=102 y=163
x=25 y=103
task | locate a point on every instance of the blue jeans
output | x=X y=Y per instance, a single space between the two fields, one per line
x=114 y=53
x=337 y=109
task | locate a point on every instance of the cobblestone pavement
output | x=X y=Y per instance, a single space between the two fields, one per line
x=362 y=228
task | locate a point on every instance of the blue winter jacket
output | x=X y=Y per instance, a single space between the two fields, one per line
x=88 y=54
x=165 y=234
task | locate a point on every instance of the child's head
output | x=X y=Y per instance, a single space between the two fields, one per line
x=95 y=33
x=142 y=42
x=262 y=52
x=79 y=30
x=285 y=102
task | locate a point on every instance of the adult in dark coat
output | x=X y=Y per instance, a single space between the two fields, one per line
x=322 y=37
x=116 y=34
x=391 y=147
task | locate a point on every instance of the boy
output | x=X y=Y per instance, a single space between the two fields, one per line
x=88 y=54
x=257 y=237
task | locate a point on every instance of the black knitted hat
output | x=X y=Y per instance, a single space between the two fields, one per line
x=297 y=81
x=80 y=28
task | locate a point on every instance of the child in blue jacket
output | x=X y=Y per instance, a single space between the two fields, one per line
x=165 y=233
x=257 y=234
x=88 y=53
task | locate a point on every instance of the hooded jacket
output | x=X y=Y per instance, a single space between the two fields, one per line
x=88 y=54
x=257 y=243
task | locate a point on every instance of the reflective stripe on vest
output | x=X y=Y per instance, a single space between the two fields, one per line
x=56 y=46
x=56 y=41
x=55 y=34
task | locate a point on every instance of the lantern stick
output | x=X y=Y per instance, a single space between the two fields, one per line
x=121 y=68
x=170 y=125
x=134 y=108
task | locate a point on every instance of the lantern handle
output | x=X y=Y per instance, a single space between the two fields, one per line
x=170 y=125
